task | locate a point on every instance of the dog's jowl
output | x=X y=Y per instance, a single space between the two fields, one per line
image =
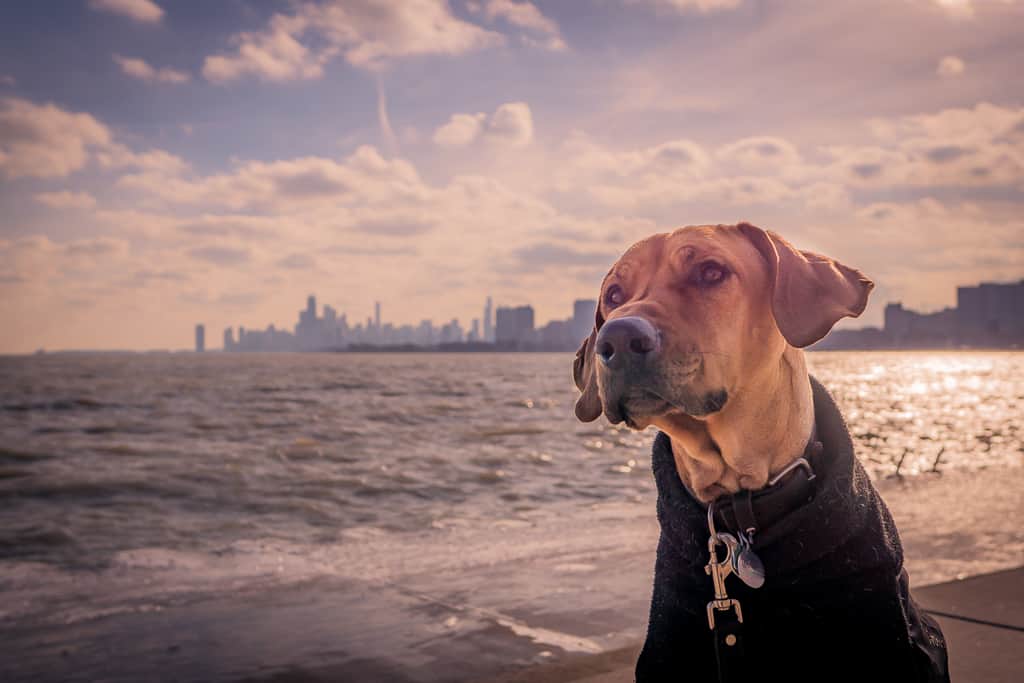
x=777 y=559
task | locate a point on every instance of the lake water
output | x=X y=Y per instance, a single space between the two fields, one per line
x=118 y=467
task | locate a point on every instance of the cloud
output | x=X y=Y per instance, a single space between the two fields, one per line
x=384 y=121
x=366 y=33
x=761 y=153
x=950 y=66
x=297 y=262
x=957 y=8
x=461 y=129
x=364 y=177
x=137 y=68
x=145 y=11
x=397 y=226
x=540 y=256
x=525 y=15
x=699 y=6
x=44 y=141
x=511 y=123
x=958 y=151
x=220 y=255
x=116 y=155
x=7 y=79
x=961 y=147
x=67 y=200
x=97 y=246
x=666 y=172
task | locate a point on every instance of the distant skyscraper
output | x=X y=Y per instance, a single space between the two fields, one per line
x=990 y=312
x=376 y=315
x=311 y=306
x=583 y=311
x=229 y=339
x=488 y=321
x=514 y=325
x=200 y=338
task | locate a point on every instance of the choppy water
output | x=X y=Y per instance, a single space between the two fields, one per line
x=101 y=454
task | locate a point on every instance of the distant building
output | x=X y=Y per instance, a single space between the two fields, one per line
x=200 y=338
x=582 y=322
x=991 y=313
x=229 y=339
x=451 y=333
x=557 y=335
x=514 y=326
x=488 y=322
x=904 y=327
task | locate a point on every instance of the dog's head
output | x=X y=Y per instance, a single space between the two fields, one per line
x=685 y=319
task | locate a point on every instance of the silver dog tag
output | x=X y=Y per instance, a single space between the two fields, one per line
x=746 y=564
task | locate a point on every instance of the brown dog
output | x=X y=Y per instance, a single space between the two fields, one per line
x=698 y=332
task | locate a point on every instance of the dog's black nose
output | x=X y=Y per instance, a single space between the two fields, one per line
x=626 y=340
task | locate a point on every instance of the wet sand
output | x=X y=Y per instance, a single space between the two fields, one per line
x=555 y=597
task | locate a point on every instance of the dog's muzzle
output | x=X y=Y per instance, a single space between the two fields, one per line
x=628 y=351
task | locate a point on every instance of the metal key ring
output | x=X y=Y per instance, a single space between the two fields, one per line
x=711 y=521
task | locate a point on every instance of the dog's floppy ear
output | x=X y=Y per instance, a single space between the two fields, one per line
x=584 y=374
x=810 y=292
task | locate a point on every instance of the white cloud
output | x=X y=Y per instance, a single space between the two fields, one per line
x=274 y=54
x=701 y=6
x=625 y=178
x=116 y=155
x=975 y=147
x=950 y=66
x=525 y=15
x=461 y=129
x=138 y=68
x=511 y=123
x=952 y=150
x=145 y=11
x=364 y=177
x=957 y=8
x=367 y=33
x=761 y=153
x=44 y=141
x=965 y=9
x=67 y=200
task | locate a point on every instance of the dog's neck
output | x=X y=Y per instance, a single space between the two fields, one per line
x=755 y=435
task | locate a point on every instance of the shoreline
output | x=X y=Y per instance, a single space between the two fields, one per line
x=459 y=604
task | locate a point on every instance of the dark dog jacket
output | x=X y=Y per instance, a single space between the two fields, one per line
x=836 y=601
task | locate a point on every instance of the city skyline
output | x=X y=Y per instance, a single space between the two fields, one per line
x=510 y=328
x=988 y=314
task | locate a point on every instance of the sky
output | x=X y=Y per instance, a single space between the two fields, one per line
x=165 y=163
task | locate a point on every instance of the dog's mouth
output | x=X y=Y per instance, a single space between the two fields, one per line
x=637 y=408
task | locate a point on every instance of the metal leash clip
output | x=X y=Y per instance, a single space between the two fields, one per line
x=719 y=570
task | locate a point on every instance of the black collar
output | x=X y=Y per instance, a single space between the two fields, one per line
x=796 y=525
x=746 y=512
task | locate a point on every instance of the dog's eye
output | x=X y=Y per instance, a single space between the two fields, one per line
x=711 y=273
x=614 y=296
